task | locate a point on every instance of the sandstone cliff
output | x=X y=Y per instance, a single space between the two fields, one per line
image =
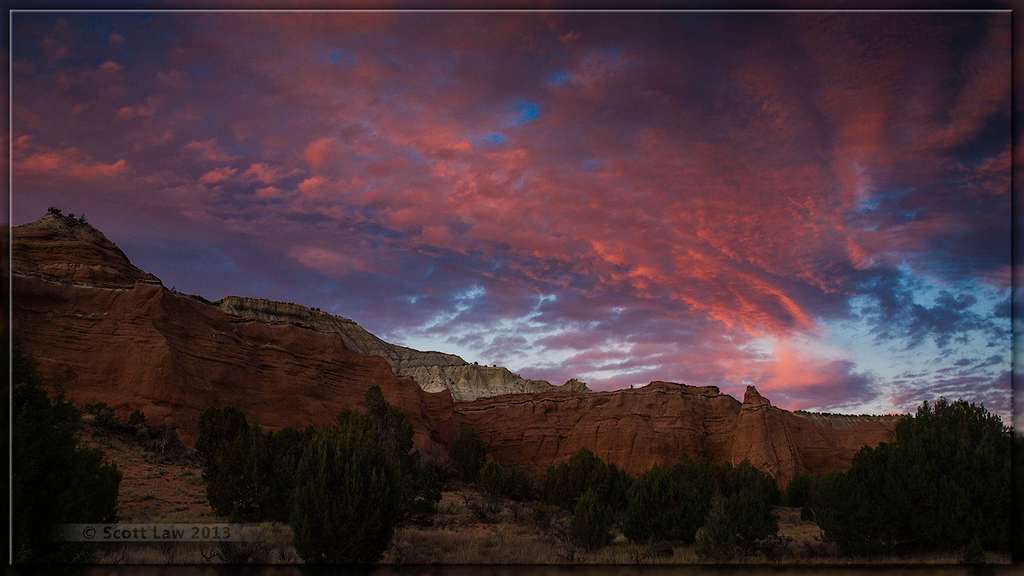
x=656 y=424
x=107 y=331
x=433 y=371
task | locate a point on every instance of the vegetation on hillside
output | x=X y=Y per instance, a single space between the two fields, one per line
x=56 y=480
x=467 y=454
x=510 y=482
x=342 y=488
x=348 y=496
x=943 y=483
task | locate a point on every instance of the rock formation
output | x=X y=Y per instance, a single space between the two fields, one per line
x=433 y=371
x=106 y=331
x=656 y=424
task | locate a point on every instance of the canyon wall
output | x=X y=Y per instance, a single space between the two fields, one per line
x=105 y=331
x=656 y=424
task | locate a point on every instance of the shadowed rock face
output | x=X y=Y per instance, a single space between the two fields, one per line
x=108 y=332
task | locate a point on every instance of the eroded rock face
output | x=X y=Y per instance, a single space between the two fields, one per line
x=635 y=429
x=60 y=248
x=108 y=332
x=659 y=423
x=433 y=371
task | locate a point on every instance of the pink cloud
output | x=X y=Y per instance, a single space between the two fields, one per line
x=329 y=262
x=142 y=110
x=69 y=163
x=110 y=67
x=217 y=175
x=208 y=150
x=268 y=192
x=312 y=187
x=57 y=44
x=262 y=172
x=318 y=151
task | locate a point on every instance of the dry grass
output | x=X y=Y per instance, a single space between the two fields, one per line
x=470 y=528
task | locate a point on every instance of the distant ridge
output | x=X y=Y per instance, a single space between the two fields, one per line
x=433 y=371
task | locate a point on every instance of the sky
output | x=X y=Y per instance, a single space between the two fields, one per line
x=815 y=204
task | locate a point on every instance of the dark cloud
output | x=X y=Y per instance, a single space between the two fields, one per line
x=895 y=312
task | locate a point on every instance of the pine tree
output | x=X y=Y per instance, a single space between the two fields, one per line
x=347 y=498
x=56 y=479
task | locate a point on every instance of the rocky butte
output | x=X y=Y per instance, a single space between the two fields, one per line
x=106 y=331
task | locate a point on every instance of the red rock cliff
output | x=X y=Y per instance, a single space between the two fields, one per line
x=110 y=332
x=657 y=424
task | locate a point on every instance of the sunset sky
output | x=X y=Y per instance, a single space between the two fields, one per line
x=817 y=204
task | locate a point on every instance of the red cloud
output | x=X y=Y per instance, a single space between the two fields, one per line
x=318 y=151
x=208 y=150
x=217 y=175
x=329 y=262
x=63 y=163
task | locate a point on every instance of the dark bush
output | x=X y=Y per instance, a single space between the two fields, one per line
x=103 y=415
x=740 y=514
x=428 y=480
x=137 y=419
x=250 y=474
x=506 y=481
x=750 y=494
x=419 y=484
x=591 y=521
x=973 y=553
x=797 y=491
x=718 y=538
x=943 y=483
x=467 y=454
x=164 y=443
x=671 y=503
x=55 y=479
x=567 y=481
x=284 y=450
x=229 y=451
x=347 y=497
